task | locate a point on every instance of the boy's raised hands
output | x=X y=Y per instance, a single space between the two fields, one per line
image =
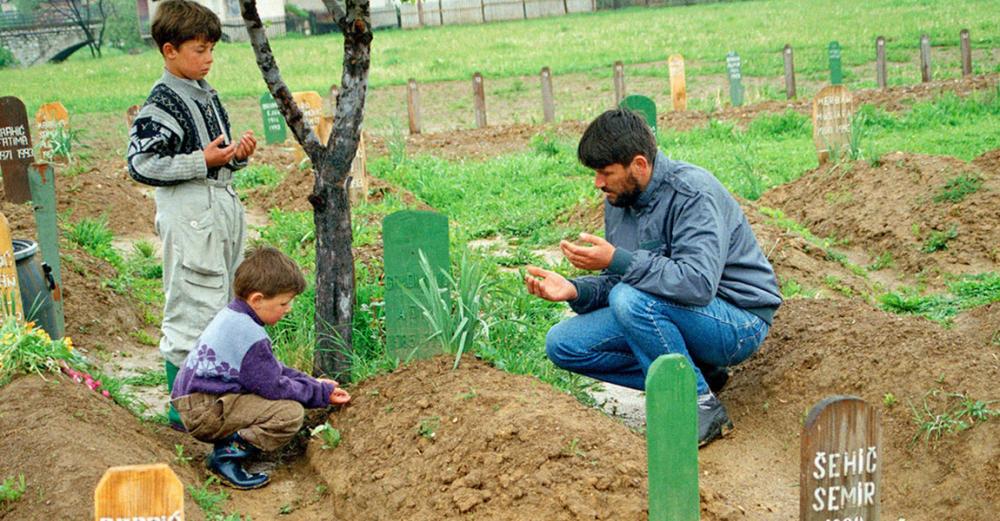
x=247 y=146
x=217 y=155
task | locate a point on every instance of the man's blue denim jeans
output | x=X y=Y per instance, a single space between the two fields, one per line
x=617 y=344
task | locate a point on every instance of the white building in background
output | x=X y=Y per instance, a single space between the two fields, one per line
x=272 y=13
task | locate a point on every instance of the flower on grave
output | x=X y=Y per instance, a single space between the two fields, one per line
x=69 y=343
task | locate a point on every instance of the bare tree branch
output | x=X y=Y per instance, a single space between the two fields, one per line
x=338 y=14
x=304 y=133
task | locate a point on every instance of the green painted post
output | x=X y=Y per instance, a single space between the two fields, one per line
x=735 y=73
x=643 y=105
x=275 y=130
x=404 y=234
x=672 y=440
x=836 y=71
x=42 y=179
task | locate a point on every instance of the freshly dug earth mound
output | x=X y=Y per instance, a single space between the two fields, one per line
x=899 y=207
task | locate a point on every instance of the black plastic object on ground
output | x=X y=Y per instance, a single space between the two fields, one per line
x=36 y=287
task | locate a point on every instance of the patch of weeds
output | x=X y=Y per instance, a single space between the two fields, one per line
x=941 y=413
x=889 y=400
x=144 y=338
x=428 y=427
x=468 y=395
x=60 y=142
x=835 y=283
x=573 y=449
x=883 y=261
x=790 y=288
x=938 y=240
x=94 y=236
x=12 y=489
x=179 y=457
x=147 y=378
x=209 y=500
x=841 y=197
x=957 y=188
x=545 y=143
x=255 y=175
x=329 y=435
x=520 y=256
x=966 y=292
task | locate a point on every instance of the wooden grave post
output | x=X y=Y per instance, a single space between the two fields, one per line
x=139 y=492
x=479 y=99
x=51 y=119
x=10 y=292
x=130 y=115
x=833 y=108
x=678 y=82
x=358 y=189
x=925 y=58
x=789 y=72
x=548 y=103
x=644 y=106
x=734 y=71
x=672 y=440
x=619 y=79
x=42 y=179
x=880 y=69
x=275 y=128
x=841 y=467
x=966 y=52
x=413 y=105
x=329 y=113
x=15 y=149
x=311 y=105
x=836 y=69
x=405 y=233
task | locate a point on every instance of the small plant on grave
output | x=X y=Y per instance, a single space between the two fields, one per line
x=179 y=457
x=257 y=175
x=889 y=400
x=883 y=261
x=60 y=143
x=938 y=240
x=28 y=349
x=327 y=433
x=957 y=188
x=12 y=489
x=427 y=428
x=943 y=413
x=210 y=501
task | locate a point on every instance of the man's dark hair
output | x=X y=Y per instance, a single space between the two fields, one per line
x=178 y=21
x=268 y=271
x=616 y=137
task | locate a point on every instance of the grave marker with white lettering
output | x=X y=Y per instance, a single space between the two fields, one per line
x=15 y=149
x=841 y=467
x=836 y=70
x=275 y=129
x=735 y=73
x=678 y=82
x=311 y=105
x=10 y=292
x=139 y=492
x=52 y=120
x=833 y=108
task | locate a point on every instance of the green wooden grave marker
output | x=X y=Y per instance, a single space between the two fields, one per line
x=836 y=71
x=672 y=440
x=643 y=105
x=15 y=149
x=42 y=179
x=275 y=130
x=404 y=235
x=735 y=73
x=841 y=467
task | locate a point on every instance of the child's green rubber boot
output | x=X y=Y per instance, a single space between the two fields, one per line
x=172 y=415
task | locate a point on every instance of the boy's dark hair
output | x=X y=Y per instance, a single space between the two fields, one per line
x=178 y=21
x=268 y=271
x=616 y=137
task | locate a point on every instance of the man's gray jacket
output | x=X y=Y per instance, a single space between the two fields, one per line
x=686 y=240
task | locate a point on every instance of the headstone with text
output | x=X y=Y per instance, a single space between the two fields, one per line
x=672 y=440
x=311 y=105
x=52 y=121
x=404 y=235
x=275 y=129
x=841 y=463
x=734 y=70
x=836 y=70
x=10 y=292
x=139 y=492
x=15 y=149
x=42 y=179
x=644 y=106
x=833 y=108
x=678 y=83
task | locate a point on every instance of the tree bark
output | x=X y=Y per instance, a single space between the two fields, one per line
x=331 y=164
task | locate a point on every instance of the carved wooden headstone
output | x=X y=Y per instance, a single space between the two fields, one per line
x=275 y=129
x=789 y=71
x=15 y=149
x=479 y=99
x=311 y=105
x=548 y=102
x=836 y=70
x=672 y=440
x=880 y=68
x=734 y=70
x=619 y=78
x=51 y=119
x=833 y=108
x=139 y=492
x=329 y=113
x=42 y=179
x=131 y=114
x=404 y=234
x=413 y=105
x=10 y=292
x=966 y=52
x=841 y=467
x=925 y=58
x=358 y=191
x=644 y=106
x=678 y=83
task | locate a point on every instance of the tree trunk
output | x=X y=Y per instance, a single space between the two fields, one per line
x=332 y=165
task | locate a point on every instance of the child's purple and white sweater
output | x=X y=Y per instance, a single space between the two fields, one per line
x=233 y=355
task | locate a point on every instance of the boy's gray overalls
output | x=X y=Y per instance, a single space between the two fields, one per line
x=199 y=217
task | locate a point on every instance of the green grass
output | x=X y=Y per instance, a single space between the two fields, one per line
x=945 y=413
x=257 y=174
x=964 y=292
x=757 y=30
x=938 y=240
x=957 y=188
x=12 y=489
